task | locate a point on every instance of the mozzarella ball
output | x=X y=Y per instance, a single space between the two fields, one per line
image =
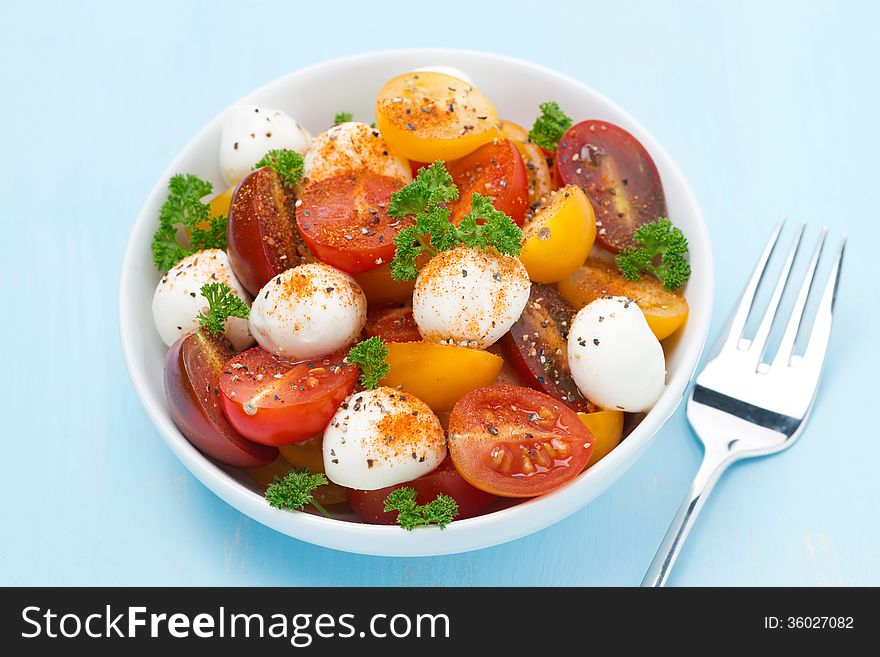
x=178 y=299
x=308 y=311
x=380 y=438
x=469 y=297
x=447 y=70
x=349 y=147
x=249 y=132
x=615 y=359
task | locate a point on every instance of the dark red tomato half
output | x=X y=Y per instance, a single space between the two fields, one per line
x=495 y=169
x=537 y=347
x=192 y=391
x=517 y=442
x=276 y=402
x=370 y=504
x=392 y=323
x=344 y=220
x=617 y=175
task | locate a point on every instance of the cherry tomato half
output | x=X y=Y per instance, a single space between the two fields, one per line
x=618 y=176
x=517 y=442
x=497 y=170
x=343 y=220
x=276 y=402
x=192 y=390
x=370 y=504
x=393 y=323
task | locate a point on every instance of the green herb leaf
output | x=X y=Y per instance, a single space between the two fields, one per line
x=183 y=209
x=550 y=126
x=288 y=164
x=296 y=490
x=370 y=356
x=222 y=304
x=342 y=117
x=439 y=512
x=662 y=254
x=425 y=199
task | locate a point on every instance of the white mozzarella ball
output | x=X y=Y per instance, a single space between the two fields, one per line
x=469 y=297
x=249 y=132
x=349 y=147
x=615 y=359
x=178 y=300
x=308 y=311
x=380 y=438
x=447 y=70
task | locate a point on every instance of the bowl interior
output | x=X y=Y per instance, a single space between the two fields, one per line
x=313 y=96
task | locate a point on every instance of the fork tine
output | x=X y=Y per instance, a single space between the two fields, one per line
x=786 y=345
x=814 y=355
x=737 y=322
x=759 y=342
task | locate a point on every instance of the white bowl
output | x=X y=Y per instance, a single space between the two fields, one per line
x=313 y=95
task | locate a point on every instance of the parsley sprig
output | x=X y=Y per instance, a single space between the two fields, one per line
x=296 y=489
x=550 y=126
x=222 y=304
x=438 y=512
x=184 y=209
x=662 y=254
x=370 y=356
x=288 y=164
x=425 y=199
x=342 y=117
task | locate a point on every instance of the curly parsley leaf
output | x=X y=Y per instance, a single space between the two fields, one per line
x=342 y=117
x=425 y=199
x=296 y=489
x=662 y=254
x=550 y=126
x=370 y=356
x=288 y=164
x=438 y=512
x=222 y=304
x=184 y=209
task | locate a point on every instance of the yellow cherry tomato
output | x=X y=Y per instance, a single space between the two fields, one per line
x=558 y=238
x=265 y=475
x=220 y=203
x=307 y=454
x=432 y=116
x=665 y=311
x=439 y=374
x=381 y=289
x=607 y=430
x=537 y=171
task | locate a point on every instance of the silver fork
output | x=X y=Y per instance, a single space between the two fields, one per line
x=742 y=406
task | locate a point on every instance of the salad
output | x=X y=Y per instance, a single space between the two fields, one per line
x=424 y=317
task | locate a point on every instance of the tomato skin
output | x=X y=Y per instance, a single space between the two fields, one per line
x=618 y=176
x=191 y=376
x=539 y=173
x=343 y=220
x=446 y=480
x=536 y=347
x=517 y=442
x=392 y=323
x=381 y=289
x=497 y=170
x=289 y=408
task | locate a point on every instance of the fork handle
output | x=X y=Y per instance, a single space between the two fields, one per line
x=715 y=462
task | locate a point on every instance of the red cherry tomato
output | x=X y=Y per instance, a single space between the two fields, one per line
x=617 y=175
x=261 y=239
x=192 y=390
x=343 y=220
x=517 y=442
x=497 y=170
x=393 y=323
x=276 y=402
x=370 y=504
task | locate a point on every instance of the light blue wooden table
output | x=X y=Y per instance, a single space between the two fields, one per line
x=771 y=108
